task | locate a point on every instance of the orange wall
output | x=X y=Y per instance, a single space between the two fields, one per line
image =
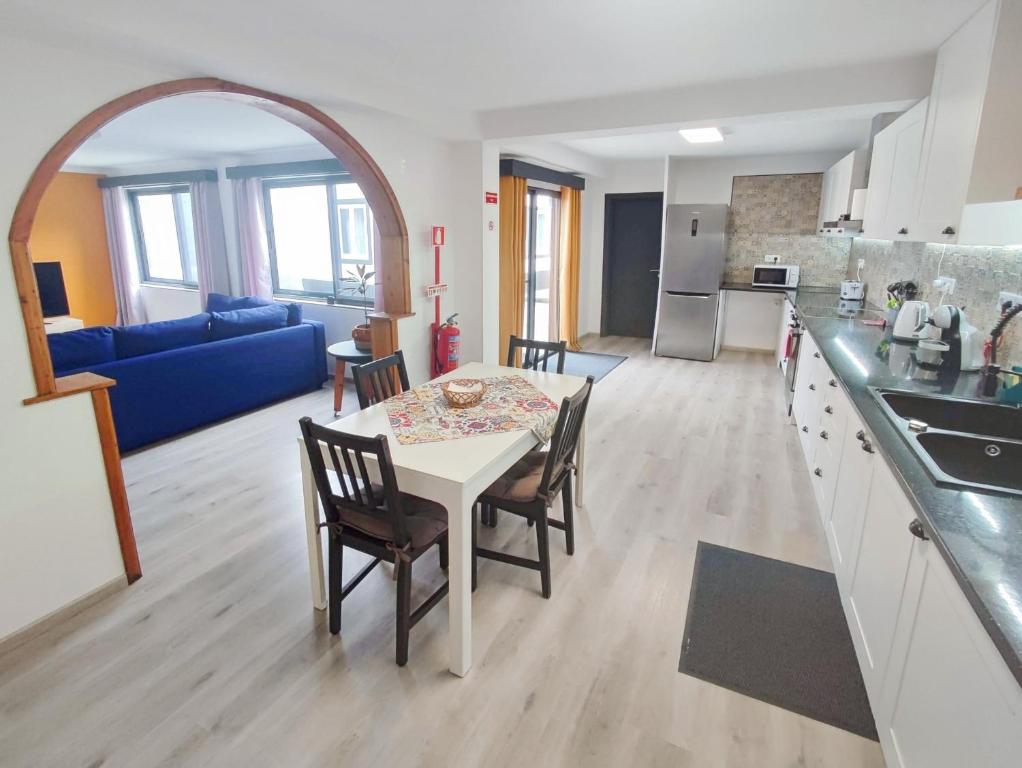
x=70 y=228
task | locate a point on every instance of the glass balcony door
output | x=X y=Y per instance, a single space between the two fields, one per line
x=541 y=265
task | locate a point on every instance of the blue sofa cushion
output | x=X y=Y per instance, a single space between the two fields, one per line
x=82 y=348
x=242 y=322
x=221 y=302
x=149 y=338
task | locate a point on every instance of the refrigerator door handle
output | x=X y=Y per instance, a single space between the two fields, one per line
x=690 y=295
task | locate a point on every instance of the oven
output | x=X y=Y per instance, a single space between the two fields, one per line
x=795 y=330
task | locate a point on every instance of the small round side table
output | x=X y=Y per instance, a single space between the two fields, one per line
x=344 y=352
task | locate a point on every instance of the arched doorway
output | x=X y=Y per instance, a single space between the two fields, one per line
x=395 y=285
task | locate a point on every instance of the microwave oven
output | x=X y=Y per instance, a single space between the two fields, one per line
x=775 y=276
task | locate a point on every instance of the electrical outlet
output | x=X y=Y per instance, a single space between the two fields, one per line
x=1007 y=300
x=945 y=285
x=861 y=263
x=771 y=259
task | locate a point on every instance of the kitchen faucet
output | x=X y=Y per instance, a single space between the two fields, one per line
x=993 y=369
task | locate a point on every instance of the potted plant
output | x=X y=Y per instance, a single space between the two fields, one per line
x=361 y=333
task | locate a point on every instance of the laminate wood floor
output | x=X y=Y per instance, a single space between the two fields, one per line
x=216 y=658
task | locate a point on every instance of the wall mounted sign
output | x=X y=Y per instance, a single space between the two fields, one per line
x=491 y=198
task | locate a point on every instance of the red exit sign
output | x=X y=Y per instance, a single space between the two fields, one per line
x=491 y=198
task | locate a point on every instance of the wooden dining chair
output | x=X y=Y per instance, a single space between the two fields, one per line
x=376 y=519
x=536 y=354
x=378 y=380
x=529 y=488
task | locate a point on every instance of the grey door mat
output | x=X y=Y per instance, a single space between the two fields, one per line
x=595 y=364
x=774 y=631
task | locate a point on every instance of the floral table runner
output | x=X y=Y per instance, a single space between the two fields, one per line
x=422 y=415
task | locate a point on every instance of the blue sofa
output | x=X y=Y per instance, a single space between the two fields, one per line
x=177 y=375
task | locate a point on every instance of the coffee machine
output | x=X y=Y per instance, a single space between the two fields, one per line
x=965 y=342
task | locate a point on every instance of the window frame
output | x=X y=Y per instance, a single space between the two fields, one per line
x=328 y=181
x=133 y=194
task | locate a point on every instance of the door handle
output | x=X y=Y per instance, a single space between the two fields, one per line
x=655 y=270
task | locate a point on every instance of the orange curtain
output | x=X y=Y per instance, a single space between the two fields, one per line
x=570 y=258
x=513 y=193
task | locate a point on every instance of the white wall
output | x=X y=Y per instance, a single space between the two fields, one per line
x=622 y=177
x=708 y=180
x=57 y=538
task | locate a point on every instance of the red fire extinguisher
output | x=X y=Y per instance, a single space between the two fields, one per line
x=446 y=346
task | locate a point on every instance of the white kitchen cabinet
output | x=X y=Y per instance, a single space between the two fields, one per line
x=751 y=319
x=855 y=476
x=952 y=127
x=839 y=182
x=829 y=437
x=878 y=577
x=949 y=699
x=894 y=169
x=807 y=400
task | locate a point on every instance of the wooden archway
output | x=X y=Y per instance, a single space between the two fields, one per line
x=396 y=289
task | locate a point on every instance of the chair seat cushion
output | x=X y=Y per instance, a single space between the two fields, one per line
x=521 y=482
x=425 y=520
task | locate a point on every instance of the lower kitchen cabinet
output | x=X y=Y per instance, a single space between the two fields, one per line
x=855 y=476
x=949 y=700
x=878 y=576
x=940 y=691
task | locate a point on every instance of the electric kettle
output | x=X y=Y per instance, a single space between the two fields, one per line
x=911 y=323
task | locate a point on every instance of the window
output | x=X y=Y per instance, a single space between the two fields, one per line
x=319 y=230
x=161 y=219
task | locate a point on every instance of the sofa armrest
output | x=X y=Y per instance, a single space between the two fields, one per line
x=319 y=332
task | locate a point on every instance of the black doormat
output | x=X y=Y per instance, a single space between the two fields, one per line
x=595 y=364
x=774 y=631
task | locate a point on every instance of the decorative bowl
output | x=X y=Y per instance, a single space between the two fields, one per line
x=463 y=393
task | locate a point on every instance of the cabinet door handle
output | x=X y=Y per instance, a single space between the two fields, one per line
x=805 y=429
x=828 y=409
x=816 y=355
x=916 y=529
x=812 y=387
x=833 y=382
x=867 y=446
x=818 y=472
x=824 y=434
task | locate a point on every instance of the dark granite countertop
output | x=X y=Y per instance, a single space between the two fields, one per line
x=978 y=533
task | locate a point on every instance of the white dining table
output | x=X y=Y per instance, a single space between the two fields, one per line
x=450 y=472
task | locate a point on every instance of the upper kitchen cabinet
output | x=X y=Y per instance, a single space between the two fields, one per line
x=894 y=168
x=839 y=184
x=971 y=150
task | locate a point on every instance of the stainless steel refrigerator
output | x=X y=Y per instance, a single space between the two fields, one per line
x=690 y=305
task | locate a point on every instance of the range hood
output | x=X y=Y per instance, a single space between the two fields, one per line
x=849 y=224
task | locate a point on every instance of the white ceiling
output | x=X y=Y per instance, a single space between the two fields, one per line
x=192 y=127
x=819 y=131
x=408 y=56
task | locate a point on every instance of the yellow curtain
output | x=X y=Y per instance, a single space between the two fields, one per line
x=570 y=258
x=513 y=192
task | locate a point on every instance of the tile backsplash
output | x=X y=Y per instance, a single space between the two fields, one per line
x=982 y=273
x=777 y=214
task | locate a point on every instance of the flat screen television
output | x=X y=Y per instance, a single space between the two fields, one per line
x=52 y=294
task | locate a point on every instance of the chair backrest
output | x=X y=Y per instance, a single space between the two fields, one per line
x=565 y=437
x=536 y=354
x=378 y=380
x=354 y=489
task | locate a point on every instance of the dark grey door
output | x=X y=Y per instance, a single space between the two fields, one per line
x=632 y=224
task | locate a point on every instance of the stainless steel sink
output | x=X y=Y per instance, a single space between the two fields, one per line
x=961 y=442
